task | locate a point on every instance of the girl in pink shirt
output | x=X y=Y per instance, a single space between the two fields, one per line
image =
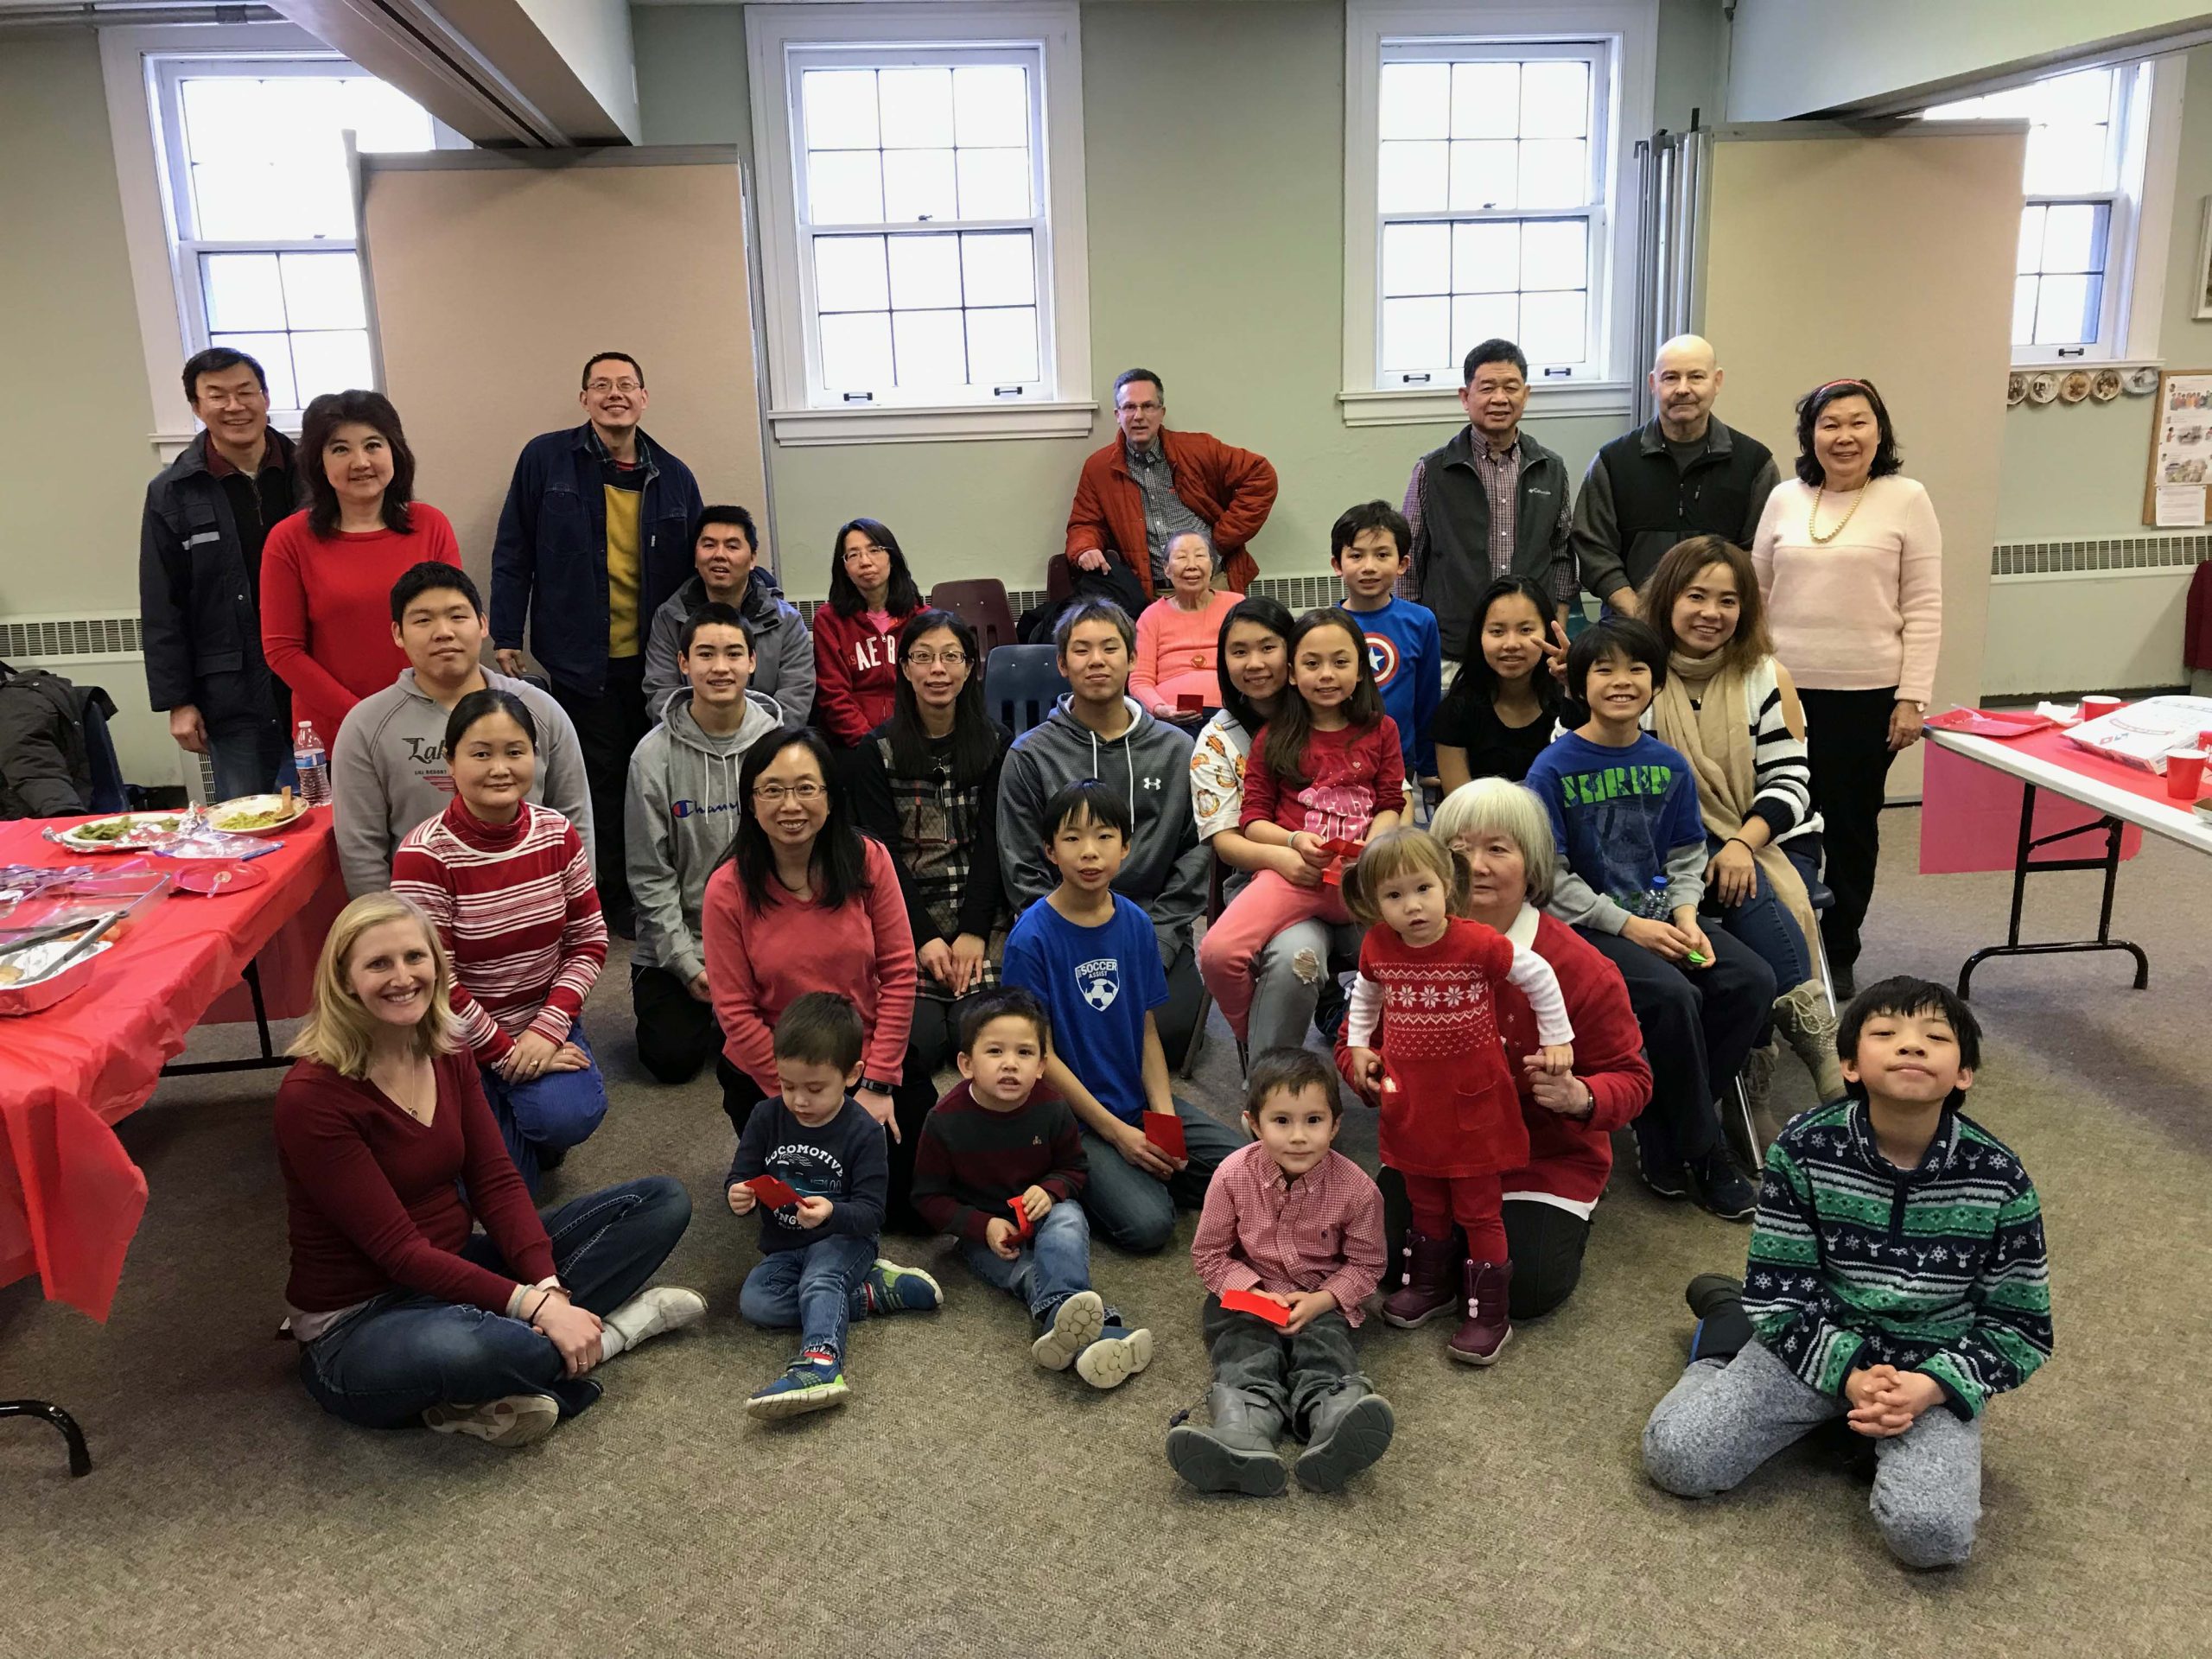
x=1178 y=634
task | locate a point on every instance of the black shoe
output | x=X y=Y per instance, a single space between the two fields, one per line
x=550 y=1158
x=1721 y=1190
x=1843 y=981
x=1656 y=1166
x=1330 y=1007
x=623 y=923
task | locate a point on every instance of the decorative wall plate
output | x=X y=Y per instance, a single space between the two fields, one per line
x=2104 y=385
x=2074 y=387
x=2015 y=389
x=2042 y=388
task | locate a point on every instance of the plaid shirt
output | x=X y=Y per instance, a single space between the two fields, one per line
x=1166 y=514
x=941 y=827
x=1500 y=477
x=1262 y=1230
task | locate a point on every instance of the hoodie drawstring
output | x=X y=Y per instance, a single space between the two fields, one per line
x=1127 y=758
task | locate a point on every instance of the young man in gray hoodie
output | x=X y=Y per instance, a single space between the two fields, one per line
x=1099 y=731
x=388 y=766
x=683 y=806
x=725 y=547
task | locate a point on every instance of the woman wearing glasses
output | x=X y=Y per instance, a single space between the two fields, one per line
x=803 y=902
x=871 y=594
x=926 y=784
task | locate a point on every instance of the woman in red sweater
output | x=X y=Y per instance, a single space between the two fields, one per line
x=403 y=1309
x=327 y=572
x=803 y=902
x=855 y=655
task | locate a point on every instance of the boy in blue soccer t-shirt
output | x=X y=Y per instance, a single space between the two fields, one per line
x=1093 y=958
x=1368 y=547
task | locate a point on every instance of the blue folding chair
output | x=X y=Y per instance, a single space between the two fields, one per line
x=1020 y=685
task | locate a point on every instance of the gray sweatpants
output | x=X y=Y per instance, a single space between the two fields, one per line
x=1725 y=1418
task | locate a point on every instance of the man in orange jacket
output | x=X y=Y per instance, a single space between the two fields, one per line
x=1150 y=485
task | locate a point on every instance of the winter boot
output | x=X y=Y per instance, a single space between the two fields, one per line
x=1488 y=1327
x=1346 y=1429
x=1805 y=1019
x=1237 y=1454
x=1428 y=1289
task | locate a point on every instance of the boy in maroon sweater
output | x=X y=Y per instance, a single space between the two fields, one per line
x=999 y=1166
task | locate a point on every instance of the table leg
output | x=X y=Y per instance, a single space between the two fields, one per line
x=80 y=1461
x=2024 y=863
x=268 y=1056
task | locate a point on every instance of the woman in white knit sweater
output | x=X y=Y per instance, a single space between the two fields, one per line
x=1850 y=562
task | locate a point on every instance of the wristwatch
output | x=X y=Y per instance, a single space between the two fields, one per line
x=874 y=1085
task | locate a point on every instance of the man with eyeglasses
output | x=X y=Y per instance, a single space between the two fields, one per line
x=594 y=538
x=207 y=514
x=1151 y=485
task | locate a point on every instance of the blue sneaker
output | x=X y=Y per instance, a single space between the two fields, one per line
x=814 y=1382
x=894 y=1289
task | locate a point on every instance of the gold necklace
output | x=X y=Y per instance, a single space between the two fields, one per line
x=1817 y=495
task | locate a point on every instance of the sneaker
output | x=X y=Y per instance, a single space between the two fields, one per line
x=654 y=1313
x=812 y=1384
x=1076 y=1324
x=1115 y=1357
x=894 y=1289
x=1659 y=1170
x=1721 y=1190
x=516 y=1420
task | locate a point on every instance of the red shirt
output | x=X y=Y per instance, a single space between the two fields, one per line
x=1351 y=774
x=325 y=609
x=855 y=673
x=1262 y=1230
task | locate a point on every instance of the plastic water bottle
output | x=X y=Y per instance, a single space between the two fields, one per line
x=1655 y=904
x=312 y=764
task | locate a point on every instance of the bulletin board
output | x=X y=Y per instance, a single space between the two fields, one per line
x=2178 y=481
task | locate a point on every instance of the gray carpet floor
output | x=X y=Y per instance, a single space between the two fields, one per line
x=964 y=1503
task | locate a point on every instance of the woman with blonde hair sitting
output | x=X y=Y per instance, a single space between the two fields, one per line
x=403 y=1311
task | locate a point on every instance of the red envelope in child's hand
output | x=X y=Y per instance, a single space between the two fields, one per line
x=1165 y=1130
x=1244 y=1301
x=1021 y=1215
x=772 y=1191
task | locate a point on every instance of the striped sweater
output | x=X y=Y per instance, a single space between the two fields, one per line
x=516 y=906
x=1782 y=773
x=1941 y=1268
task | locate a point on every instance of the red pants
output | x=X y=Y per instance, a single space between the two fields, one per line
x=1474 y=1201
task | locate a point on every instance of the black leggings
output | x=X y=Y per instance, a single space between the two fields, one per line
x=1543 y=1242
x=1847 y=741
x=910 y=1103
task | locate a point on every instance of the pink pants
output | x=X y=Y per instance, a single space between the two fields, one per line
x=1269 y=903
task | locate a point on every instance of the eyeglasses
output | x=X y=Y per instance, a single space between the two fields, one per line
x=600 y=388
x=932 y=658
x=863 y=551
x=805 y=794
x=1141 y=409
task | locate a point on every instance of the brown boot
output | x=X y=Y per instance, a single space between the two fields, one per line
x=1803 y=1017
x=1427 y=1289
x=1488 y=1326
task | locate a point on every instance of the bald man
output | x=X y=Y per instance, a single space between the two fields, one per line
x=1684 y=475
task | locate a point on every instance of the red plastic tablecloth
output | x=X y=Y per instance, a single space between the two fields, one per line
x=70 y=1196
x=1970 y=813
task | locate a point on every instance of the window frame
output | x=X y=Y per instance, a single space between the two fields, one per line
x=1627 y=31
x=782 y=41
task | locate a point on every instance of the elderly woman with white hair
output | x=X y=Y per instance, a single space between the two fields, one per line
x=1500 y=832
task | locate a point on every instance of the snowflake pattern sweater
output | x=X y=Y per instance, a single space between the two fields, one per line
x=1939 y=1268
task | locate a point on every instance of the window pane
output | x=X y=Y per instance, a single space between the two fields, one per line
x=1415 y=334
x=223 y=118
x=1478 y=317
x=856 y=350
x=1416 y=259
x=917 y=184
x=994 y=184
x=1412 y=178
x=840 y=108
x=2074 y=237
x=2068 y=158
x=1555 y=253
x=333 y=361
x=2024 y=310
x=1002 y=346
x=274 y=353
x=2066 y=310
x=999 y=269
x=1416 y=100
x=1484 y=174
x=243 y=292
x=323 y=290
x=2082 y=99
x=917 y=108
x=990 y=105
x=1554 y=172
x=1553 y=327
x=844 y=186
x=1485 y=258
x=383 y=117
x=1555 y=100
x=849 y=273
x=2031 y=256
x=929 y=348
x=925 y=271
x=1485 y=100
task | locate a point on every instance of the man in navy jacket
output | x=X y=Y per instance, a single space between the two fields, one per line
x=594 y=536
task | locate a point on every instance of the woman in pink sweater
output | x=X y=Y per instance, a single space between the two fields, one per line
x=1178 y=635
x=803 y=902
x=1850 y=562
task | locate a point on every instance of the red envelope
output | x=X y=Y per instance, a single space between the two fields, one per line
x=1021 y=1215
x=1243 y=1301
x=1165 y=1130
x=1190 y=702
x=1340 y=847
x=772 y=1191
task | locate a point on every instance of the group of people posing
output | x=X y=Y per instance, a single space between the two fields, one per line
x=1569 y=894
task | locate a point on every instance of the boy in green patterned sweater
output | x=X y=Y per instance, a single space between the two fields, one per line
x=1896 y=1279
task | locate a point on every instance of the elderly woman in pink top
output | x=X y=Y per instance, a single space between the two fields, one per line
x=1850 y=562
x=1178 y=634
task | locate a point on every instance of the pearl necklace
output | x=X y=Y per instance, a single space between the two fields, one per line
x=1811 y=529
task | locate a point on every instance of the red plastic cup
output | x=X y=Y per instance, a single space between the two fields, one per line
x=2097 y=708
x=2184 y=773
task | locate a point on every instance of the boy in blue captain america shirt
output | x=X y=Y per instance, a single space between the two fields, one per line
x=1367 y=548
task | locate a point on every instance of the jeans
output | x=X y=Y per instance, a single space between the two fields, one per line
x=1543 y=1242
x=821 y=1289
x=550 y=1113
x=677 y=1032
x=1761 y=923
x=1053 y=1264
x=1135 y=1212
x=250 y=756
x=1229 y=956
x=1847 y=741
x=608 y=728
x=404 y=1352
x=1291 y=1372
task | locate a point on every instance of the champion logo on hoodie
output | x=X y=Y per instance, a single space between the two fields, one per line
x=687 y=808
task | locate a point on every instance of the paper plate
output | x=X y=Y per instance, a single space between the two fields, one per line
x=133 y=832
x=213 y=879
x=224 y=817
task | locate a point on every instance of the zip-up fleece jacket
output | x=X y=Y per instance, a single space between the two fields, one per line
x=783 y=650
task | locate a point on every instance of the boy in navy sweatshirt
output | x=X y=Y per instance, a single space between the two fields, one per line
x=818 y=1266
x=996 y=1141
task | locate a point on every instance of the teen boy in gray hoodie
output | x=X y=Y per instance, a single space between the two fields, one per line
x=1099 y=731
x=682 y=809
x=724 y=544
x=388 y=769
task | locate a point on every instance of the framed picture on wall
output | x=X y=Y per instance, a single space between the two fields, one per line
x=2204 y=265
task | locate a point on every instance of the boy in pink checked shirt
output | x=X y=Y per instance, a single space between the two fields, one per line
x=1299 y=1225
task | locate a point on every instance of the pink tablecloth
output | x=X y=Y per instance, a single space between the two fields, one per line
x=70 y=1196
x=1970 y=813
